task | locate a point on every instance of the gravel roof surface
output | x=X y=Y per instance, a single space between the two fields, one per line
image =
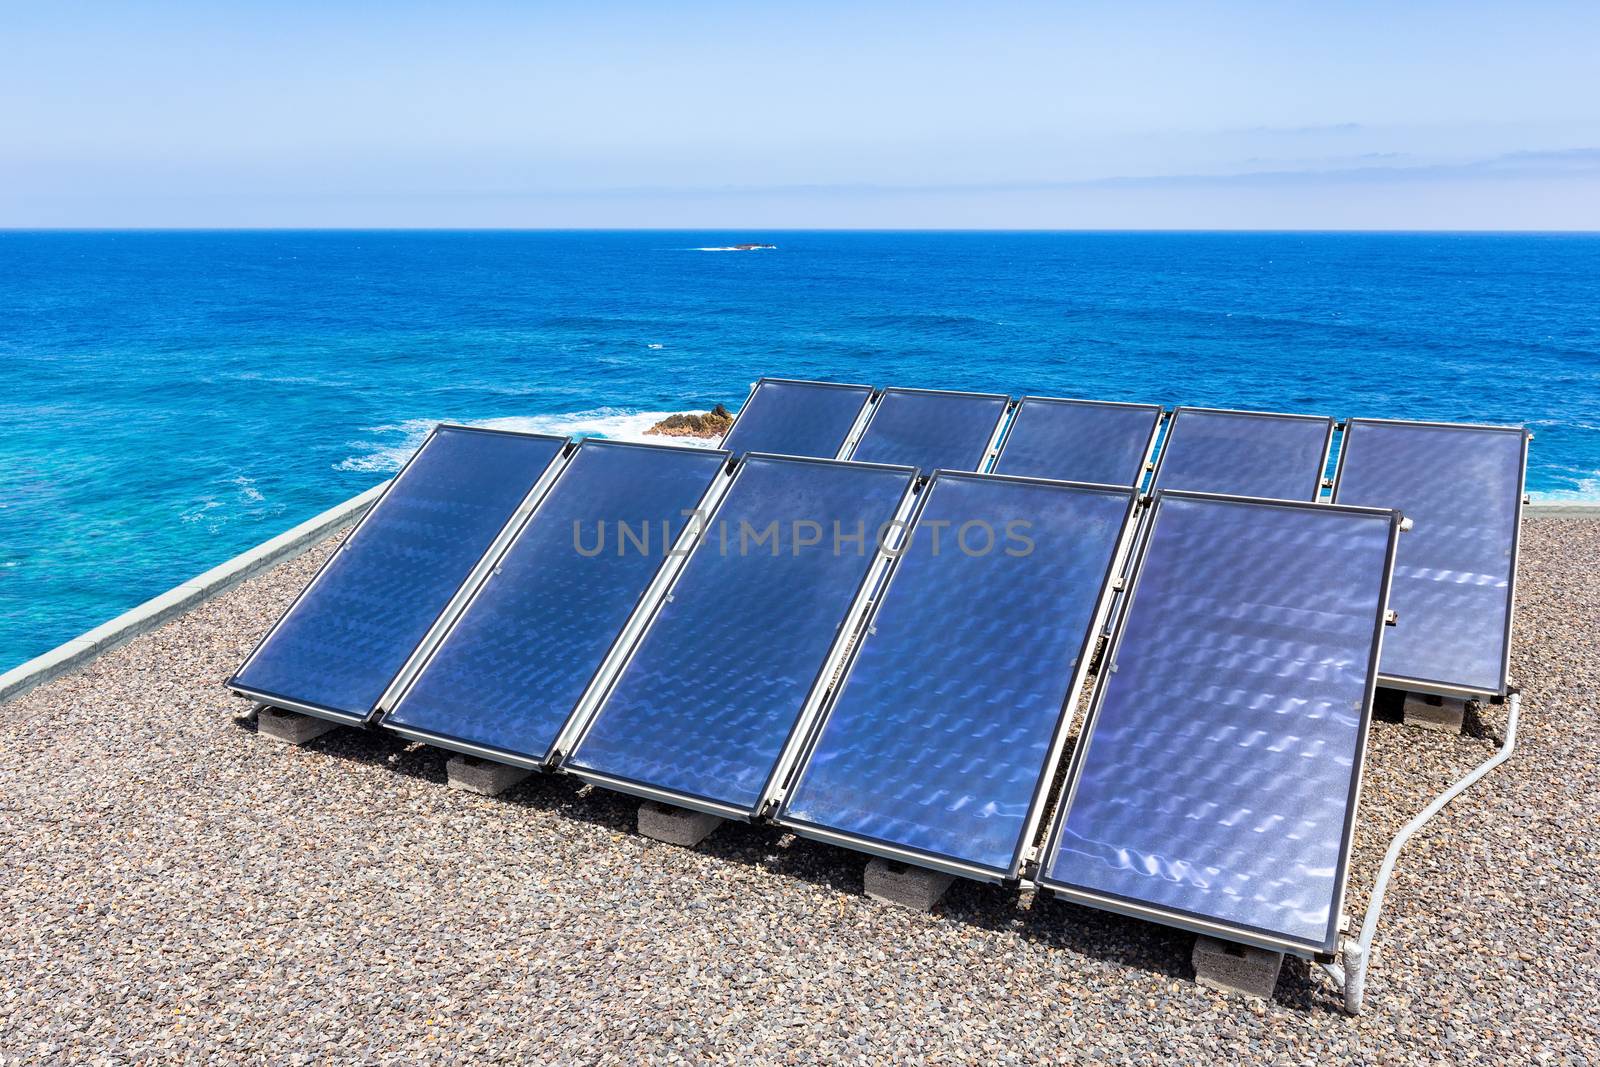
x=177 y=888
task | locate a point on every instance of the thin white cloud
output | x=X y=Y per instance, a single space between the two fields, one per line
x=1363 y=169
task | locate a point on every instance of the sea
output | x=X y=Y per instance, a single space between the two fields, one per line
x=170 y=399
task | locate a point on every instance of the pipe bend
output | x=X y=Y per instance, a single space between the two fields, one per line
x=1358 y=952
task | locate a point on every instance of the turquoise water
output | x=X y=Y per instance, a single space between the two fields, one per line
x=170 y=399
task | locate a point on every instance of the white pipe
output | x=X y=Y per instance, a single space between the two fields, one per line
x=1357 y=953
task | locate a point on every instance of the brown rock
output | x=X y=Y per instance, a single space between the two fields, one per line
x=713 y=423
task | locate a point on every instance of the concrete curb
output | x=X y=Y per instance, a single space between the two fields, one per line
x=1561 y=509
x=174 y=602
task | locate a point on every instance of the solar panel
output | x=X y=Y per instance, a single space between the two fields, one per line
x=797 y=418
x=346 y=638
x=511 y=670
x=929 y=429
x=1214 y=786
x=1247 y=453
x=941 y=742
x=1456 y=570
x=1080 y=440
x=706 y=705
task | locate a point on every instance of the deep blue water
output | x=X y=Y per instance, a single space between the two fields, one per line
x=170 y=399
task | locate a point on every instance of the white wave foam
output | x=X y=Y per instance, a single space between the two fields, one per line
x=615 y=424
x=247 y=488
x=215 y=510
x=1586 y=491
x=387 y=455
x=200 y=510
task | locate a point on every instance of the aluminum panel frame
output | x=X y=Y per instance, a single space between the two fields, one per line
x=1321 y=473
x=1432 y=686
x=601 y=691
x=1191 y=921
x=865 y=416
x=1061 y=733
x=1170 y=421
x=856 y=426
x=1145 y=460
x=530 y=500
x=671 y=563
x=990 y=451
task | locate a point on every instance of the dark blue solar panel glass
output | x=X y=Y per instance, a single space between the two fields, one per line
x=1079 y=441
x=939 y=738
x=345 y=640
x=709 y=699
x=1452 y=573
x=1279 y=456
x=514 y=667
x=797 y=419
x=931 y=430
x=1217 y=775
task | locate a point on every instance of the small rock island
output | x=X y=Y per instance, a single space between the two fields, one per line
x=713 y=423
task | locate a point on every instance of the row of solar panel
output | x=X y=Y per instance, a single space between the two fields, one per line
x=1461 y=485
x=480 y=607
x=941 y=740
x=1248 y=453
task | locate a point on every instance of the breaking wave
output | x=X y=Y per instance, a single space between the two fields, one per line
x=392 y=444
x=1584 y=490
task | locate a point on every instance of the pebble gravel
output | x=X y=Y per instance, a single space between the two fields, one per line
x=177 y=889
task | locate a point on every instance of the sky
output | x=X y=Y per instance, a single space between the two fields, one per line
x=1000 y=115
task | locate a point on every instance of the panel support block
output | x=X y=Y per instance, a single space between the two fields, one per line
x=291 y=727
x=904 y=885
x=1444 y=714
x=1234 y=968
x=481 y=776
x=676 y=826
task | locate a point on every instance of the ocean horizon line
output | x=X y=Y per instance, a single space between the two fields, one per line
x=762 y=229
